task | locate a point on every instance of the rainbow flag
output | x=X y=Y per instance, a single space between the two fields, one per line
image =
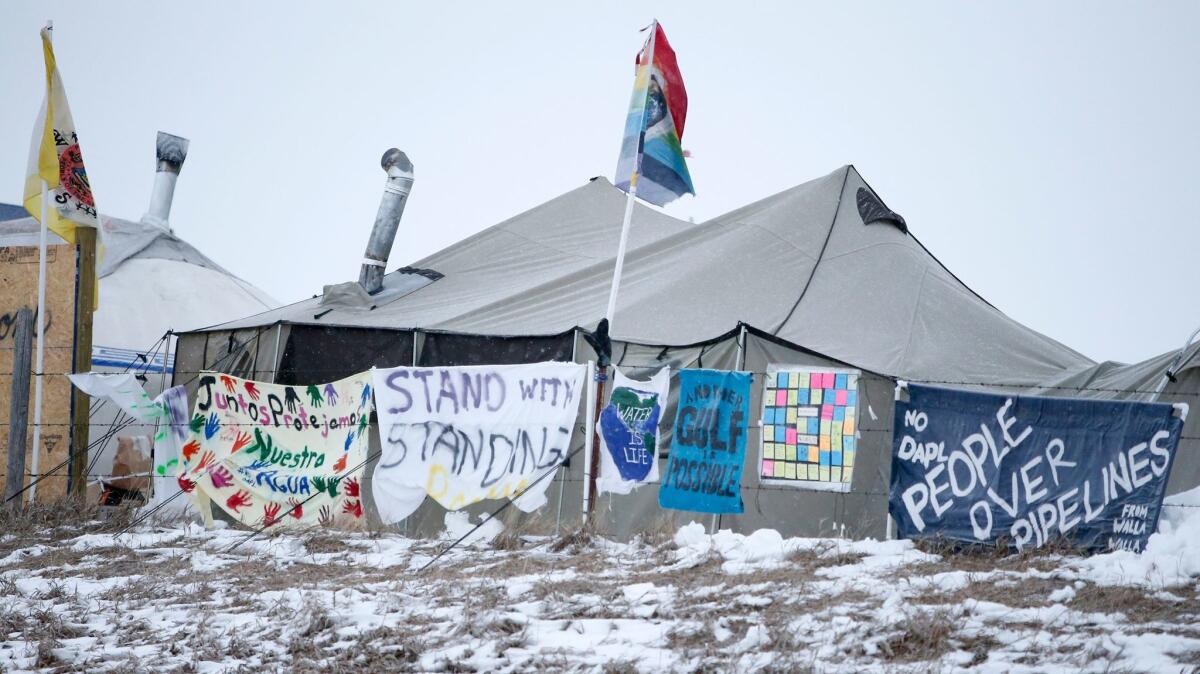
x=652 y=165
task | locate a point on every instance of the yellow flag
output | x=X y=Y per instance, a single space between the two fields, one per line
x=55 y=158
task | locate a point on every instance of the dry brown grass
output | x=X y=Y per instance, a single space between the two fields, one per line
x=1137 y=604
x=323 y=542
x=1009 y=590
x=61 y=518
x=575 y=541
x=978 y=558
x=921 y=637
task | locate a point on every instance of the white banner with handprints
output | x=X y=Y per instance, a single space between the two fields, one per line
x=465 y=434
x=276 y=455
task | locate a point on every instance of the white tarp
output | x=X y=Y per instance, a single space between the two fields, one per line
x=629 y=432
x=168 y=410
x=465 y=434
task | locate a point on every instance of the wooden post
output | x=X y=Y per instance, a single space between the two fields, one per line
x=18 y=408
x=85 y=305
x=594 y=458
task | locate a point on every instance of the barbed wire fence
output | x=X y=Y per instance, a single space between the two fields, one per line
x=145 y=362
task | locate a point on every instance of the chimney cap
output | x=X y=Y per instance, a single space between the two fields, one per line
x=395 y=158
x=171 y=149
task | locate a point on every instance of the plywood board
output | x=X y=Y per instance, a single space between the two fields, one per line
x=18 y=288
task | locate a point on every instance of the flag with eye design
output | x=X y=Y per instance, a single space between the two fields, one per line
x=653 y=163
x=272 y=455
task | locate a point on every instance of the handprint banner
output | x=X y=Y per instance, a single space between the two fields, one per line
x=273 y=455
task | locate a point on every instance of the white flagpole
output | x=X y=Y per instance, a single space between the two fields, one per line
x=632 y=194
x=592 y=464
x=38 y=374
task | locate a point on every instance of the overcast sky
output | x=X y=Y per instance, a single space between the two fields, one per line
x=1045 y=152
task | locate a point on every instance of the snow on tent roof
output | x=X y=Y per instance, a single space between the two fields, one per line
x=122 y=239
x=801 y=265
x=151 y=280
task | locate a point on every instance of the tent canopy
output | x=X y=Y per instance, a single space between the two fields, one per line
x=824 y=265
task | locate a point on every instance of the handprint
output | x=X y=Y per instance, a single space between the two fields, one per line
x=206 y=460
x=228 y=382
x=366 y=396
x=328 y=485
x=340 y=464
x=221 y=477
x=363 y=421
x=197 y=424
x=270 y=514
x=290 y=397
x=238 y=500
x=211 y=426
x=242 y=440
x=185 y=484
x=314 y=395
x=189 y=450
x=352 y=487
x=331 y=395
x=353 y=508
x=252 y=390
x=326 y=516
x=257 y=465
x=297 y=510
x=349 y=441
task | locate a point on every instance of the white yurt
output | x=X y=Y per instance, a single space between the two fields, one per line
x=149 y=281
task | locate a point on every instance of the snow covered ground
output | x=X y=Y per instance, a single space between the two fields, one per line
x=178 y=599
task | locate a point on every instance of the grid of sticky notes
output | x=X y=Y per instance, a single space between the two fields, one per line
x=808 y=426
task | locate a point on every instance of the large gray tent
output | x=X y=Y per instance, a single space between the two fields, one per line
x=822 y=274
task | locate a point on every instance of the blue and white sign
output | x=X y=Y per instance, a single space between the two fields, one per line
x=708 y=446
x=980 y=467
x=629 y=432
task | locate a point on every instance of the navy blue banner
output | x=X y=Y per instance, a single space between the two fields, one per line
x=981 y=468
x=708 y=446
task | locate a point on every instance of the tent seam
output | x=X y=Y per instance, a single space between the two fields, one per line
x=828 y=235
x=913 y=320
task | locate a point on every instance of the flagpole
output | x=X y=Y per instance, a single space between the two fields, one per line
x=616 y=280
x=610 y=312
x=41 y=344
x=631 y=194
